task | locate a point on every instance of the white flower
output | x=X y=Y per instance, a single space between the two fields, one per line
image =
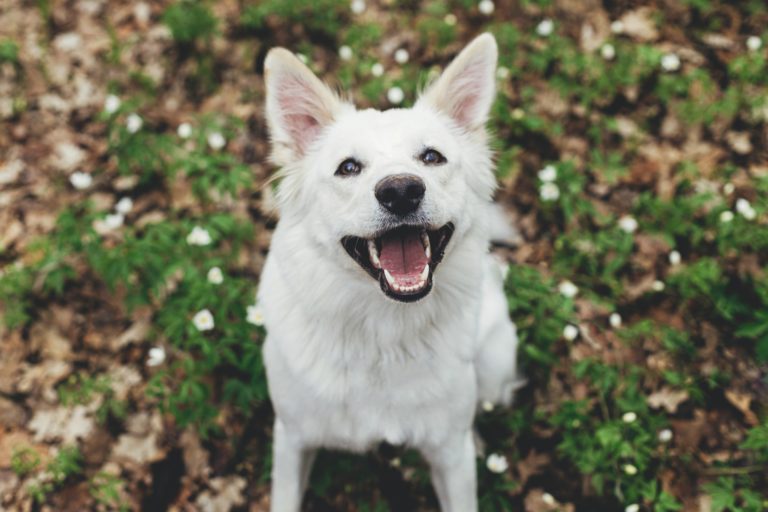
x=357 y=6
x=607 y=51
x=203 y=320
x=199 y=236
x=377 y=69
x=113 y=221
x=450 y=19
x=548 y=499
x=254 y=315
x=80 y=180
x=549 y=192
x=497 y=463
x=726 y=216
x=401 y=56
x=675 y=258
x=548 y=174
x=630 y=469
x=216 y=140
x=184 y=130
x=345 y=52
x=111 y=104
x=617 y=27
x=395 y=95
x=156 y=356
x=658 y=286
x=518 y=114
x=570 y=332
x=487 y=406
x=670 y=62
x=502 y=73
x=545 y=27
x=754 y=43
x=745 y=209
x=629 y=417
x=729 y=188
x=632 y=508
x=665 y=435
x=215 y=276
x=133 y=123
x=124 y=205
x=615 y=320
x=628 y=224
x=486 y=7
x=568 y=289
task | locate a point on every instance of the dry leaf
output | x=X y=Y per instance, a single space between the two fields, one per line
x=667 y=398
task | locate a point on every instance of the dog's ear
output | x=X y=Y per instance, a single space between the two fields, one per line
x=466 y=89
x=299 y=105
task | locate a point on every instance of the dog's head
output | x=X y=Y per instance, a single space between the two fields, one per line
x=395 y=189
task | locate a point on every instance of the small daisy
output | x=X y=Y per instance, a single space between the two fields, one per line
x=617 y=27
x=215 y=275
x=675 y=258
x=124 y=205
x=377 y=69
x=754 y=43
x=632 y=508
x=487 y=406
x=203 y=320
x=665 y=435
x=216 y=141
x=254 y=315
x=80 y=180
x=199 y=236
x=450 y=19
x=629 y=417
x=568 y=289
x=395 y=95
x=545 y=27
x=497 y=463
x=357 y=6
x=628 y=224
x=111 y=104
x=615 y=320
x=345 y=52
x=486 y=7
x=608 y=52
x=726 y=216
x=729 y=188
x=184 y=130
x=745 y=209
x=401 y=56
x=518 y=114
x=549 y=192
x=670 y=62
x=133 y=123
x=630 y=469
x=156 y=356
x=658 y=286
x=548 y=174
x=570 y=332
x=113 y=221
x=502 y=73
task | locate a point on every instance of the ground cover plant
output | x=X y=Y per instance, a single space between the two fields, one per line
x=136 y=209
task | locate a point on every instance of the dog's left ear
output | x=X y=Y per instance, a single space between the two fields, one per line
x=466 y=89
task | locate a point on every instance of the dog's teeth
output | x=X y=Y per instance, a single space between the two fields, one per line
x=373 y=254
x=390 y=279
x=424 y=273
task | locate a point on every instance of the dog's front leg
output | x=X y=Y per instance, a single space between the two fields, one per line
x=291 y=466
x=453 y=471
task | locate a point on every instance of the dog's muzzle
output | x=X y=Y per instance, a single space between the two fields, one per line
x=403 y=259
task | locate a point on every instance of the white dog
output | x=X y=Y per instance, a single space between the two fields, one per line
x=385 y=313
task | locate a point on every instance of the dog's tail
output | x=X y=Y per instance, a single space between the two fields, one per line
x=500 y=229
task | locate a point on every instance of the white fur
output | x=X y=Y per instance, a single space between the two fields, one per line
x=347 y=366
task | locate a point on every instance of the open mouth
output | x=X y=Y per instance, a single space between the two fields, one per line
x=402 y=259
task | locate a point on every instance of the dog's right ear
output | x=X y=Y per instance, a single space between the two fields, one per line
x=299 y=105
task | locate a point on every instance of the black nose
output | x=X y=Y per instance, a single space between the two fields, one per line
x=401 y=194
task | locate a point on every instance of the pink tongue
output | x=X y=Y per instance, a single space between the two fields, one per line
x=402 y=254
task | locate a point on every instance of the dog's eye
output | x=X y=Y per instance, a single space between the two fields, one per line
x=432 y=157
x=349 y=167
